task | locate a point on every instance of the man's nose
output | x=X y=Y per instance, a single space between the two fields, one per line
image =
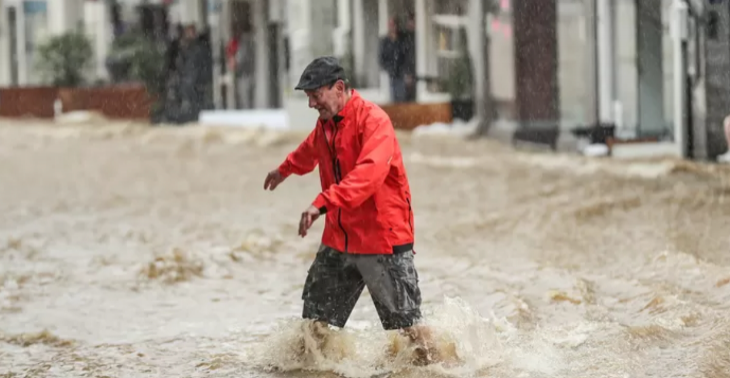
x=312 y=103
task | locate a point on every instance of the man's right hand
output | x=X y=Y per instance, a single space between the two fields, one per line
x=273 y=179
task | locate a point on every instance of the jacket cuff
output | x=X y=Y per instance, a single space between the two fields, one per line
x=285 y=169
x=321 y=203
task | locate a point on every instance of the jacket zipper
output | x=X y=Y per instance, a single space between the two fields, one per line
x=410 y=214
x=336 y=171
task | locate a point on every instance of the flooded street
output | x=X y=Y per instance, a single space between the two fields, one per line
x=128 y=251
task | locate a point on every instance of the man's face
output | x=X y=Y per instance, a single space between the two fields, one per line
x=326 y=99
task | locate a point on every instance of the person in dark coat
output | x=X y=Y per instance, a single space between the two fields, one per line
x=408 y=39
x=192 y=71
x=393 y=61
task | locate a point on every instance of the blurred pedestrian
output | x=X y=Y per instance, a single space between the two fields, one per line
x=409 y=50
x=245 y=68
x=393 y=61
x=192 y=70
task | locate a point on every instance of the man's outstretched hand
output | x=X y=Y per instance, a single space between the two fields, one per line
x=273 y=179
x=308 y=217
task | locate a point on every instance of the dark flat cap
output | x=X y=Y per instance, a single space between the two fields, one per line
x=322 y=71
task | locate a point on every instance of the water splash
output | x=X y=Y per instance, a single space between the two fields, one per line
x=465 y=342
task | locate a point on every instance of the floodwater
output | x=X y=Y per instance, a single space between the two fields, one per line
x=128 y=251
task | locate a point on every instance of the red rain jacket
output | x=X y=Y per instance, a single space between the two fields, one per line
x=365 y=192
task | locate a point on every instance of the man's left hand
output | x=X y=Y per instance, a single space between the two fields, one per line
x=308 y=217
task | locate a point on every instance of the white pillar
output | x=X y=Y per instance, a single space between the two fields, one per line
x=477 y=36
x=344 y=13
x=322 y=21
x=310 y=26
x=4 y=47
x=358 y=37
x=341 y=42
x=64 y=15
x=298 y=19
x=625 y=81
x=679 y=38
x=97 y=25
x=190 y=13
x=590 y=100
x=24 y=72
x=604 y=31
x=383 y=31
x=174 y=14
x=261 y=35
x=421 y=47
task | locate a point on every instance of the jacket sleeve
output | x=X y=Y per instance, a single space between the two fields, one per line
x=302 y=160
x=371 y=168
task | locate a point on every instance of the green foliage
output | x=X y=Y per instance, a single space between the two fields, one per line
x=135 y=57
x=63 y=59
x=460 y=83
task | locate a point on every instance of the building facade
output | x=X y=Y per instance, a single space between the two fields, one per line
x=26 y=23
x=610 y=61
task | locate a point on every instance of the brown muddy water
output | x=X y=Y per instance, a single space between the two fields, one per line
x=127 y=251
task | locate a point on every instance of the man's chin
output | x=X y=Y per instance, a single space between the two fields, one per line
x=324 y=116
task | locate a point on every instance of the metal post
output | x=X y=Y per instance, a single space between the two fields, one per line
x=680 y=15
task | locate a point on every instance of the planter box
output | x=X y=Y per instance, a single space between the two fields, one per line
x=117 y=102
x=408 y=116
x=27 y=102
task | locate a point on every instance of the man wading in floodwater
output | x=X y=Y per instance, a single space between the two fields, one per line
x=368 y=232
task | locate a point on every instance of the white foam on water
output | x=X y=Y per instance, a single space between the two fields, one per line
x=466 y=341
x=443 y=161
x=458 y=128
